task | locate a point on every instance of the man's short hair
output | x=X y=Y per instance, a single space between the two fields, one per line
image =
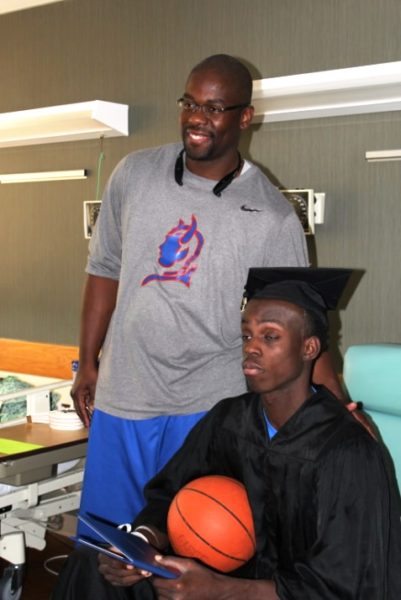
x=317 y=325
x=230 y=67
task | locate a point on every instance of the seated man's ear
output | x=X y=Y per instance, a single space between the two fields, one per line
x=311 y=348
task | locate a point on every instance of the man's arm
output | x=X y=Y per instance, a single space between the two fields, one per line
x=351 y=556
x=196 y=582
x=324 y=373
x=98 y=305
x=200 y=583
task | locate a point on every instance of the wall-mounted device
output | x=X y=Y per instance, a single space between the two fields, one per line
x=309 y=207
x=91 y=212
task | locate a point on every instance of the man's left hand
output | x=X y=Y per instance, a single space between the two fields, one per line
x=195 y=582
x=120 y=573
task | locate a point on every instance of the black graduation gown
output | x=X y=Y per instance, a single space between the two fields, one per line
x=325 y=503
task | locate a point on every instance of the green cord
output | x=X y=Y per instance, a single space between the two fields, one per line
x=99 y=170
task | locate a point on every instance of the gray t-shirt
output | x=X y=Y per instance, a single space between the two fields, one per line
x=181 y=256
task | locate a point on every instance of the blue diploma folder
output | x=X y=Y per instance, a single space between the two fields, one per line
x=134 y=550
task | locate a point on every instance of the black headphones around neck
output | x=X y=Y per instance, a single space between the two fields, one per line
x=220 y=185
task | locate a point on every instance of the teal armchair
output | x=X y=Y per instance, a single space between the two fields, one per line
x=372 y=375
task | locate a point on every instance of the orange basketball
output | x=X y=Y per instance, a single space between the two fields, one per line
x=210 y=519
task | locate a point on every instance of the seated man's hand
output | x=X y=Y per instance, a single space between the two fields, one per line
x=195 y=582
x=119 y=573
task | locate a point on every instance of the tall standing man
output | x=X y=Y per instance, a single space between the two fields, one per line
x=179 y=227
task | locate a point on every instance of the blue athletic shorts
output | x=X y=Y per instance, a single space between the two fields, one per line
x=122 y=456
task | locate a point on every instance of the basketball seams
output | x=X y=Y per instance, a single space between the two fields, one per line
x=241 y=561
x=210 y=519
x=230 y=512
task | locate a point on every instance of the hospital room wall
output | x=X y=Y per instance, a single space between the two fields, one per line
x=138 y=52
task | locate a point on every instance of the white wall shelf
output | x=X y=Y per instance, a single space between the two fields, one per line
x=7 y=6
x=68 y=122
x=383 y=155
x=42 y=176
x=355 y=90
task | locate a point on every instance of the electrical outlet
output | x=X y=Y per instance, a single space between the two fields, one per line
x=91 y=212
x=318 y=207
x=303 y=203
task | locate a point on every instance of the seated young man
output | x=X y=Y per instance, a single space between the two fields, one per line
x=324 y=501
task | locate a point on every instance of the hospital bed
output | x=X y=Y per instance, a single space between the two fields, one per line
x=41 y=468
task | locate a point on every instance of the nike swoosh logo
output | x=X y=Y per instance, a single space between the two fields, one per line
x=247 y=209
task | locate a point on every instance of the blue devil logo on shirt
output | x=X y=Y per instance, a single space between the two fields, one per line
x=178 y=253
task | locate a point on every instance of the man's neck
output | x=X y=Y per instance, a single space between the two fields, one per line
x=215 y=169
x=280 y=405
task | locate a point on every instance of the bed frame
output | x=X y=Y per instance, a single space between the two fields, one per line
x=38 y=492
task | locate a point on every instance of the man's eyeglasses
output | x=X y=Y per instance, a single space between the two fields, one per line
x=209 y=110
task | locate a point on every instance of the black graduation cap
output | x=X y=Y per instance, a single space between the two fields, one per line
x=313 y=289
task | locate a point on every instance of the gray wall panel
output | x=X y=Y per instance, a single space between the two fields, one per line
x=139 y=52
